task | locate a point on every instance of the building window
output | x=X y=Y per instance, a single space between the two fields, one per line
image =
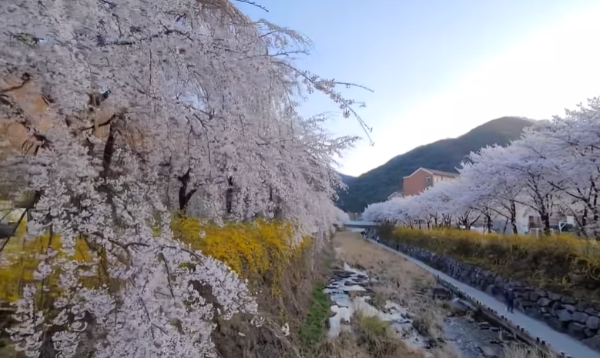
x=428 y=181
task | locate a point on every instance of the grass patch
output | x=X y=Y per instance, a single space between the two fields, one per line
x=378 y=300
x=313 y=329
x=378 y=337
x=560 y=263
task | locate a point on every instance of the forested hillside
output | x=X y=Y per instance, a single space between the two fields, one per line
x=375 y=185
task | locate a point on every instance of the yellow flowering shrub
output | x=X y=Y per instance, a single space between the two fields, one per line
x=259 y=251
x=19 y=261
x=559 y=262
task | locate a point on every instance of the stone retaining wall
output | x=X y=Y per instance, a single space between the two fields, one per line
x=562 y=313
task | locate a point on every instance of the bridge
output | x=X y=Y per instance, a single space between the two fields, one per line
x=359 y=224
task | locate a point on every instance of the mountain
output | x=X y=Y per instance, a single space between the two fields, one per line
x=375 y=185
x=346 y=179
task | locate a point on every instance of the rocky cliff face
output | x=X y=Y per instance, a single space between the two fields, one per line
x=565 y=314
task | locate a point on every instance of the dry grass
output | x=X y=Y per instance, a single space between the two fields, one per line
x=345 y=346
x=370 y=338
x=379 y=339
x=400 y=281
x=522 y=351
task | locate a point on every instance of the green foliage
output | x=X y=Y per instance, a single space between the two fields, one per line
x=375 y=185
x=314 y=326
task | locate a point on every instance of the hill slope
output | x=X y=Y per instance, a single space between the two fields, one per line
x=375 y=185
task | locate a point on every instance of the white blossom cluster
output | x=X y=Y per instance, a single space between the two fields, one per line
x=553 y=171
x=198 y=105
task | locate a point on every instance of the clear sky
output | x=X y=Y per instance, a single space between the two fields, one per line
x=441 y=67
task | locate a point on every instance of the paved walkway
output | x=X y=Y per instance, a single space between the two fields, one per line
x=559 y=341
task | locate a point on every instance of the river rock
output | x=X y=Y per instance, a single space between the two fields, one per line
x=440 y=291
x=543 y=302
x=564 y=316
x=580 y=317
x=554 y=296
x=484 y=325
x=592 y=322
x=533 y=296
x=488 y=352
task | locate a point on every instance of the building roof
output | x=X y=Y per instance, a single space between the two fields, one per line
x=435 y=172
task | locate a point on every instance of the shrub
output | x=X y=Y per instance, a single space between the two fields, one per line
x=560 y=262
x=258 y=251
x=20 y=258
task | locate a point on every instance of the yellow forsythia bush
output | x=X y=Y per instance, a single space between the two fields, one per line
x=259 y=250
x=562 y=262
x=19 y=261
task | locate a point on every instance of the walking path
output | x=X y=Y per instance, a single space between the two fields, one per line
x=558 y=341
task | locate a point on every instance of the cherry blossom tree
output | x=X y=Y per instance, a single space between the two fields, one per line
x=491 y=184
x=551 y=171
x=571 y=158
x=157 y=106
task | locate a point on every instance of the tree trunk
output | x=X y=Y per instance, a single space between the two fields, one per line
x=184 y=196
x=229 y=196
x=513 y=217
x=488 y=220
x=546 y=221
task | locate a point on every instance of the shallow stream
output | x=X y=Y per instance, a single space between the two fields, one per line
x=350 y=293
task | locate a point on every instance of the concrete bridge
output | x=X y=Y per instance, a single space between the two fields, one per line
x=359 y=224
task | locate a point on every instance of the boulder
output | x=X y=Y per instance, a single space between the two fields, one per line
x=591 y=311
x=564 y=316
x=580 y=317
x=581 y=306
x=533 y=296
x=543 y=302
x=554 y=296
x=592 y=322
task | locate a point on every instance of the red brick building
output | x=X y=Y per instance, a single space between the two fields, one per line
x=422 y=179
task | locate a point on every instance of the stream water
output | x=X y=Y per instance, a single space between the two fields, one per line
x=349 y=292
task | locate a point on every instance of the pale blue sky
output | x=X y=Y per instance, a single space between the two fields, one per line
x=442 y=67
